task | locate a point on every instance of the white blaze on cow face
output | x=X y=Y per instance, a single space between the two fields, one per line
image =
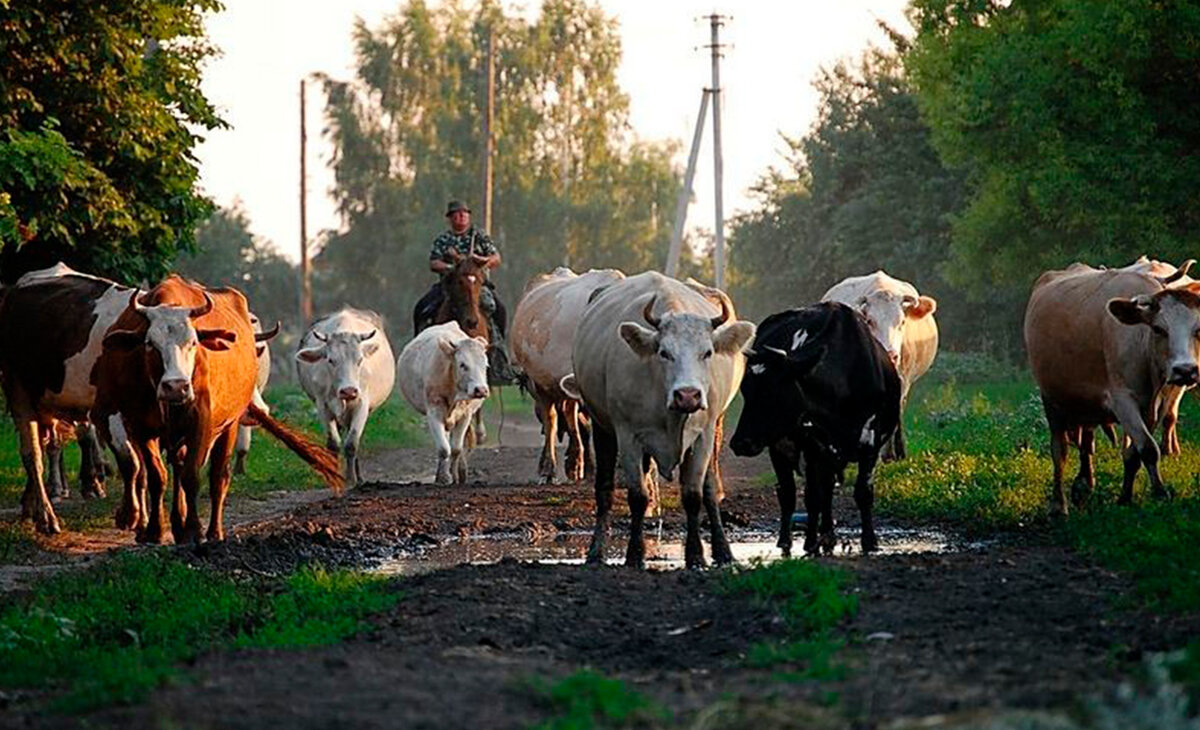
x=683 y=344
x=173 y=337
x=887 y=313
x=469 y=360
x=1173 y=317
x=343 y=354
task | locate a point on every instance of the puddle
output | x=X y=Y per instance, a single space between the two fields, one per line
x=663 y=552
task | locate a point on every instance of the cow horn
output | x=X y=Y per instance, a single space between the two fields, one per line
x=320 y=336
x=363 y=337
x=203 y=309
x=1179 y=273
x=648 y=315
x=137 y=306
x=723 y=317
x=264 y=336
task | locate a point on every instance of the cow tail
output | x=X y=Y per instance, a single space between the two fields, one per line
x=315 y=454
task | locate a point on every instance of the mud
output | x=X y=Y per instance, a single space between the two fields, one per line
x=949 y=630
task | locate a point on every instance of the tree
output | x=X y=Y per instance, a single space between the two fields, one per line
x=1076 y=123
x=570 y=185
x=99 y=101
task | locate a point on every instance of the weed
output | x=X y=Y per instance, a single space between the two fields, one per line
x=317 y=607
x=811 y=600
x=587 y=699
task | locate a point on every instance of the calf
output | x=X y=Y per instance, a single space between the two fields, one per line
x=818 y=385
x=443 y=374
x=347 y=369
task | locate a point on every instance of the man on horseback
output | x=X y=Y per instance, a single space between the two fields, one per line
x=462 y=240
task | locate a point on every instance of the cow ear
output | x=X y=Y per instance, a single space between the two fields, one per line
x=922 y=307
x=311 y=354
x=447 y=347
x=123 y=340
x=1139 y=310
x=217 y=339
x=482 y=342
x=642 y=340
x=370 y=349
x=733 y=337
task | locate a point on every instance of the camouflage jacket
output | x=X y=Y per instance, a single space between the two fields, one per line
x=447 y=241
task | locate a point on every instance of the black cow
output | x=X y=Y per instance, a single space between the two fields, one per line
x=818 y=385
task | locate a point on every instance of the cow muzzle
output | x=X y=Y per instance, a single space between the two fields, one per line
x=744 y=446
x=175 y=390
x=1184 y=374
x=480 y=391
x=687 y=400
x=348 y=394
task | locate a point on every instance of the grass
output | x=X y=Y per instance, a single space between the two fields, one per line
x=112 y=633
x=812 y=601
x=587 y=700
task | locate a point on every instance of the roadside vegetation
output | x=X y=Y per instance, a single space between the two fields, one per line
x=112 y=633
x=587 y=699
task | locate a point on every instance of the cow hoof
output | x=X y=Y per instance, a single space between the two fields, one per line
x=48 y=524
x=94 y=491
x=870 y=544
x=149 y=537
x=1163 y=493
x=126 y=519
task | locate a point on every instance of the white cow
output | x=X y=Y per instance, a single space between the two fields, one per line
x=902 y=320
x=346 y=367
x=263 y=352
x=443 y=374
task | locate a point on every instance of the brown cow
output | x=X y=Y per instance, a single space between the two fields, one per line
x=1103 y=345
x=178 y=372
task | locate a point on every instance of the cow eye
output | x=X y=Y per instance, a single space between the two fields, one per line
x=1158 y=330
x=706 y=355
x=665 y=355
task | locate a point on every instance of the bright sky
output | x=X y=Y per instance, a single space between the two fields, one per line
x=777 y=49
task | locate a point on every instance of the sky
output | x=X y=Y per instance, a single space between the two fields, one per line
x=776 y=50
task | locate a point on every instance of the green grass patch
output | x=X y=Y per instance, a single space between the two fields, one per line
x=586 y=700
x=812 y=600
x=112 y=633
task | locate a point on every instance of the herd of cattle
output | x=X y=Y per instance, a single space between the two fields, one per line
x=635 y=371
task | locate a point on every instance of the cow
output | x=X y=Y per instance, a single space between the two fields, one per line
x=656 y=363
x=902 y=320
x=443 y=374
x=819 y=385
x=1167 y=275
x=1103 y=346
x=346 y=368
x=262 y=351
x=59 y=317
x=92 y=469
x=178 y=374
x=543 y=330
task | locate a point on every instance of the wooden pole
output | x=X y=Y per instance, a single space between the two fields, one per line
x=489 y=102
x=305 y=287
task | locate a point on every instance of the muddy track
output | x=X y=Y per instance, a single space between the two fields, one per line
x=1016 y=623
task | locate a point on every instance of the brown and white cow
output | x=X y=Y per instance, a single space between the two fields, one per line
x=52 y=323
x=543 y=329
x=178 y=373
x=1103 y=345
x=902 y=320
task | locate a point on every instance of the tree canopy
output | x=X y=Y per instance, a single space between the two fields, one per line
x=98 y=103
x=572 y=186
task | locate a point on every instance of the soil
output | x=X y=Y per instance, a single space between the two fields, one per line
x=940 y=638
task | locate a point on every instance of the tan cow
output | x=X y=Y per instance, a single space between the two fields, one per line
x=902 y=320
x=1103 y=345
x=543 y=328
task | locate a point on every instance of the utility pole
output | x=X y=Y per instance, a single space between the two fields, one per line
x=685 y=195
x=489 y=102
x=716 y=21
x=305 y=287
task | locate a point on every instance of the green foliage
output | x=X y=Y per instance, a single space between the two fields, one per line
x=102 y=104
x=571 y=186
x=812 y=601
x=112 y=633
x=1074 y=122
x=586 y=700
